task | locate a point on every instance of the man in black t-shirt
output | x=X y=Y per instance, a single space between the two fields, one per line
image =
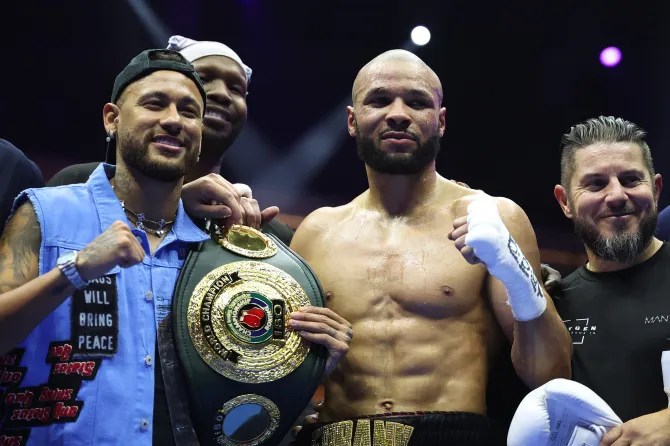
x=617 y=306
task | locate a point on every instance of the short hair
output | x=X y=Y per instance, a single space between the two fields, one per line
x=603 y=129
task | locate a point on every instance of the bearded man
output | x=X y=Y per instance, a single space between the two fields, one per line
x=434 y=277
x=616 y=306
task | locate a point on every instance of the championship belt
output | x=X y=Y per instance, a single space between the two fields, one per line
x=248 y=374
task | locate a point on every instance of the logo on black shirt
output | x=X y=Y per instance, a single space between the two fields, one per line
x=656 y=319
x=579 y=329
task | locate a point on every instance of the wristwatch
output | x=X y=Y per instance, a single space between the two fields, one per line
x=67 y=264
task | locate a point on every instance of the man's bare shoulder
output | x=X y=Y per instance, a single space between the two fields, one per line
x=319 y=221
x=511 y=213
x=461 y=196
x=326 y=216
x=457 y=195
x=332 y=211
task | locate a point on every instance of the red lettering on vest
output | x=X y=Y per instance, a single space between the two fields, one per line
x=63 y=411
x=23 y=399
x=60 y=352
x=82 y=368
x=34 y=413
x=10 y=377
x=8 y=359
x=7 y=440
x=47 y=394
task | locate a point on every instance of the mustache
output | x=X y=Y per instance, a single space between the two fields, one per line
x=413 y=136
x=612 y=212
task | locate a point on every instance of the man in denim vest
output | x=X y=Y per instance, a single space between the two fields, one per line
x=87 y=271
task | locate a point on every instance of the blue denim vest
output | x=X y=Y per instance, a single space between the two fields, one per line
x=66 y=399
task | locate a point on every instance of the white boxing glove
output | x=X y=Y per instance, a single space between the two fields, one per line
x=496 y=248
x=561 y=413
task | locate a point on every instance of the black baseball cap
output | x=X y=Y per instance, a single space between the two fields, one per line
x=143 y=65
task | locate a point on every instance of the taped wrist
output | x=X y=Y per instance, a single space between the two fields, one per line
x=496 y=248
x=524 y=293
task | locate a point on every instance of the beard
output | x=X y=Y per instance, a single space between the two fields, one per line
x=398 y=164
x=622 y=247
x=136 y=155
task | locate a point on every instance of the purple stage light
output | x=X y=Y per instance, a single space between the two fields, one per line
x=610 y=56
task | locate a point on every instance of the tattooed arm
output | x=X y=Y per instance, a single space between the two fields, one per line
x=25 y=297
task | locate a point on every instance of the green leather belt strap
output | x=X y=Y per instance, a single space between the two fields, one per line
x=238 y=354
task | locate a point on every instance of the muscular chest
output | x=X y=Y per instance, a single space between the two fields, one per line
x=400 y=269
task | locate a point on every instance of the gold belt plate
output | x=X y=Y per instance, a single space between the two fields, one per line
x=248 y=242
x=238 y=321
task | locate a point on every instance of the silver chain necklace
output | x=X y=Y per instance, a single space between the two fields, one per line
x=154 y=227
x=158 y=228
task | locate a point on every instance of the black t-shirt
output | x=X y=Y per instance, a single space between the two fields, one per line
x=620 y=325
x=17 y=173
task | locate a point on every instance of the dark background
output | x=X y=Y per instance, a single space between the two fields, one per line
x=516 y=75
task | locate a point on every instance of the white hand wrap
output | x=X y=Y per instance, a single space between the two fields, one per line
x=561 y=413
x=243 y=190
x=495 y=247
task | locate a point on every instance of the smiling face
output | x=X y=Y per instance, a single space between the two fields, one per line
x=612 y=199
x=396 y=117
x=158 y=123
x=226 y=85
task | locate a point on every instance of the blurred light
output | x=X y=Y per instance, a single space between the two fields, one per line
x=420 y=35
x=155 y=27
x=610 y=56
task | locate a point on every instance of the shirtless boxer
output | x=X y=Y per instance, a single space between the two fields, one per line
x=398 y=263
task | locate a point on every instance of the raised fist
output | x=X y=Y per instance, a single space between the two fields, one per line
x=117 y=246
